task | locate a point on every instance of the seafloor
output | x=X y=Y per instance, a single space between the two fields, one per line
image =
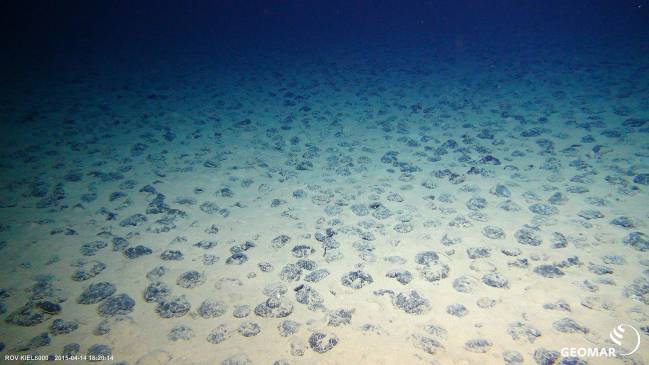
x=443 y=205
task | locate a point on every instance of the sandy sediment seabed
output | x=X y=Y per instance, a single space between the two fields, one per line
x=366 y=211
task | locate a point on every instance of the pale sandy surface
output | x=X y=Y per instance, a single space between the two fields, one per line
x=346 y=116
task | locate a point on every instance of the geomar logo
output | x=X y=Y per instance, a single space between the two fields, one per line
x=624 y=336
x=618 y=335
